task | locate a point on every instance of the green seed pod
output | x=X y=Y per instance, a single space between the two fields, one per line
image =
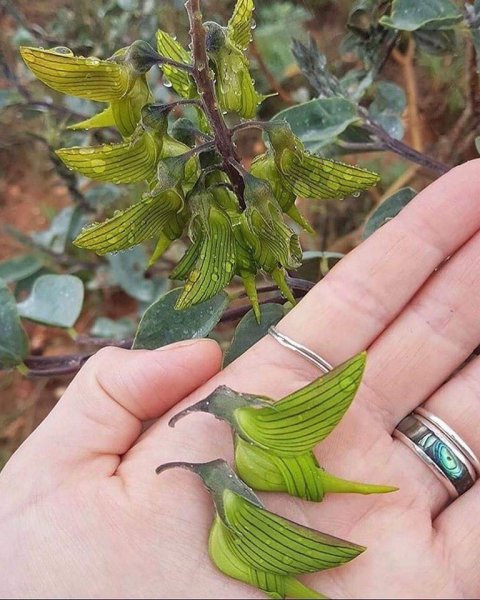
x=120 y=81
x=258 y=547
x=312 y=176
x=274 y=440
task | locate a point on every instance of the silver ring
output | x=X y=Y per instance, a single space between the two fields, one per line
x=440 y=448
x=314 y=358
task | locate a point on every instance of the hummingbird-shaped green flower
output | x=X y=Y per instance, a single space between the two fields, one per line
x=209 y=263
x=135 y=159
x=258 y=547
x=275 y=247
x=130 y=161
x=226 y=48
x=274 y=441
x=263 y=167
x=119 y=81
x=308 y=175
x=156 y=214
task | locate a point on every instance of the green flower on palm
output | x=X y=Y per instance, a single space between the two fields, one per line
x=255 y=546
x=274 y=441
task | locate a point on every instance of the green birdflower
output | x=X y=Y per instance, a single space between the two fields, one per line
x=131 y=161
x=209 y=263
x=274 y=441
x=264 y=167
x=311 y=176
x=274 y=246
x=159 y=214
x=258 y=547
x=226 y=48
x=119 y=81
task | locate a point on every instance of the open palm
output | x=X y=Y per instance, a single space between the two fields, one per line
x=82 y=512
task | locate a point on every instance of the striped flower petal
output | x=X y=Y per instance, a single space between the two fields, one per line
x=130 y=227
x=298 y=422
x=90 y=78
x=128 y=162
x=181 y=81
x=279 y=545
x=215 y=265
x=239 y=28
x=316 y=177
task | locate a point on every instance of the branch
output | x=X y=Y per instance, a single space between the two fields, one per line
x=204 y=79
x=52 y=366
x=272 y=82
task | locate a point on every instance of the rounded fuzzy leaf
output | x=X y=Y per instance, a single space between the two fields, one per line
x=128 y=269
x=410 y=15
x=89 y=78
x=163 y=324
x=387 y=107
x=13 y=339
x=249 y=331
x=319 y=121
x=117 y=329
x=387 y=210
x=18 y=268
x=55 y=300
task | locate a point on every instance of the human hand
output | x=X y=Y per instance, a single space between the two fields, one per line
x=83 y=514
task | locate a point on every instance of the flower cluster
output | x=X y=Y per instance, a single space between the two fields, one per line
x=234 y=230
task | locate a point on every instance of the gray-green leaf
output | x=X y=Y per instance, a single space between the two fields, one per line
x=18 y=268
x=388 y=210
x=387 y=107
x=319 y=121
x=13 y=339
x=128 y=270
x=249 y=332
x=410 y=15
x=55 y=300
x=117 y=329
x=162 y=324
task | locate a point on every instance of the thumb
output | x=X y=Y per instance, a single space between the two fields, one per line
x=100 y=415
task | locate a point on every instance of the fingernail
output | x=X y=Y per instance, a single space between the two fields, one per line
x=185 y=344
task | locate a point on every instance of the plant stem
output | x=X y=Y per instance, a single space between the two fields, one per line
x=400 y=147
x=55 y=366
x=204 y=78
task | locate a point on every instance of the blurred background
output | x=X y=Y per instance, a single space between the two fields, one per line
x=428 y=96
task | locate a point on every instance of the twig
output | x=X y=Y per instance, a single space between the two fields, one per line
x=272 y=82
x=406 y=62
x=51 y=366
x=204 y=81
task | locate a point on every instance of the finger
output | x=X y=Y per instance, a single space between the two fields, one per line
x=433 y=336
x=458 y=404
x=350 y=307
x=100 y=415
